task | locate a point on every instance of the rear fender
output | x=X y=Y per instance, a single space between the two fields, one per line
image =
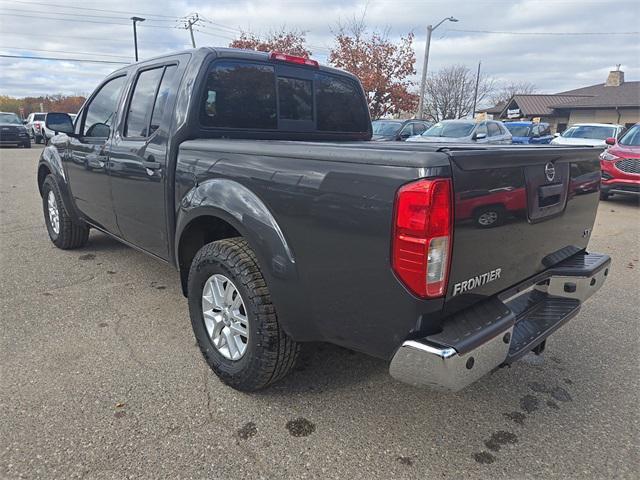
x=243 y=210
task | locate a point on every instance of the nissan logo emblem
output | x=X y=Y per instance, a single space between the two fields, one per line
x=550 y=171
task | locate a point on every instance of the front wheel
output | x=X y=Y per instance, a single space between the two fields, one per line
x=604 y=195
x=65 y=232
x=233 y=318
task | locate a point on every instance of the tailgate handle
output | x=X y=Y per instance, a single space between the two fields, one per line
x=549 y=194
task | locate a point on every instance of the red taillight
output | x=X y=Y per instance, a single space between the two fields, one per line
x=422 y=236
x=283 y=57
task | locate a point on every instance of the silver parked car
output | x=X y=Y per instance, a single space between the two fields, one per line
x=465 y=131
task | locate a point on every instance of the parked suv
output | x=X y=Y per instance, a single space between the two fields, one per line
x=397 y=130
x=12 y=131
x=620 y=165
x=465 y=131
x=35 y=126
x=529 y=132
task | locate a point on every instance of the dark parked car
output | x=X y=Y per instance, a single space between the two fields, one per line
x=529 y=132
x=12 y=131
x=254 y=176
x=397 y=130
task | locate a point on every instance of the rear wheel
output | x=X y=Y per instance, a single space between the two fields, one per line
x=233 y=318
x=64 y=232
x=604 y=195
x=38 y=139
x=27 y=144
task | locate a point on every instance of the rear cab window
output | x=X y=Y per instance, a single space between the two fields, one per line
x=266 y=96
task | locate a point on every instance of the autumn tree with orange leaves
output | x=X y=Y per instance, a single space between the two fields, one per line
x=383 y=67
x=283 y=41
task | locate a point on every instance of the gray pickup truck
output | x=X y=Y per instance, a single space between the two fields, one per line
x=254 y=175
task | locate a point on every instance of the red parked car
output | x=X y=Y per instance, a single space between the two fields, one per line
x=620 y=165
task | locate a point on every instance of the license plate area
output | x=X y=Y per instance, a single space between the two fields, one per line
x=547 y=188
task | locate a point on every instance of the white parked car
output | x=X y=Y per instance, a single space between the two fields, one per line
x=465 y=131
x=593 y=134
x=35 y=126
x=48 y=134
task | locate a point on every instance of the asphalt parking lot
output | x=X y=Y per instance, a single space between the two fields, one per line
x=101 y=378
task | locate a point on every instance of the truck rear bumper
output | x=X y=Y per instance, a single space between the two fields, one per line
x=501 y=329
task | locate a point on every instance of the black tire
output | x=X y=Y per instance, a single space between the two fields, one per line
x=71 y=234
x=38 y=139
x=604 y=195
x=270 y=354
x=490 y=216
x=27 y=144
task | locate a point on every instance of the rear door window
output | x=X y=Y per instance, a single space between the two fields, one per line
x=161 y=99
x=144 y=93
x=240 y=95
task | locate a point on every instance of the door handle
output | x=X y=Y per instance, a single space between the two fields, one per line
x=151 y=165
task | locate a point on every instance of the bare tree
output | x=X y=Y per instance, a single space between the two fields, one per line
x=505 y=91
x=450 y=92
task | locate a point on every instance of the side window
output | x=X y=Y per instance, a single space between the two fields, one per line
x=340 y=105
x=419 y=128
x=295 y=97
x=535 y=131
x=545 y=130
x=102 y=109
x=407 y=129
x=494 y=129
x=240 y=95
x=144 y=92
x=162 y=97
x=482 y=129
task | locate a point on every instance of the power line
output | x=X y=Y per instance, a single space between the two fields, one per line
x=57 y=5
x=24 y=57
x=83 y=15
x=97 y=54
x=58 y=37
x=79 y=21
x=544 y=33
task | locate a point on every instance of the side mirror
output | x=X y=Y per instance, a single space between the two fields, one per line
x=557 y=134
x=479 y=136
x=404 y=135
x=24 y=122
x=59 y=123
x=610 y=141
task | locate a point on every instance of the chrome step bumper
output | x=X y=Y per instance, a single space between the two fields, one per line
x=501 y=329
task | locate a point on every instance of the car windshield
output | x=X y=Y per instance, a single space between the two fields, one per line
x=11 y=118
x=39 y=117
x=450 y=129
x=385 y=128
x=519 y=130
x=597 y=132
x=632 y=137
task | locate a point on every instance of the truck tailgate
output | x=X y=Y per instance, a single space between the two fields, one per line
x=518 y=211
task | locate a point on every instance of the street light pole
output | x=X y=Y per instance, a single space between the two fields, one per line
x=423 y=82
x=135 y=33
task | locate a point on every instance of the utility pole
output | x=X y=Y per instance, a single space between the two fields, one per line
x=135 y=33
x=423 y=83
x=188 y=25
x=475 y=95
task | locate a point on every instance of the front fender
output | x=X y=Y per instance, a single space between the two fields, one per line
x=242 y=209
x=51 y=163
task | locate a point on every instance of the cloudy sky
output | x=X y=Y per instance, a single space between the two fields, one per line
x=555 y=44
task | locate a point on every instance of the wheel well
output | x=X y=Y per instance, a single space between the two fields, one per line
x=43 y=171
x=198 y=233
